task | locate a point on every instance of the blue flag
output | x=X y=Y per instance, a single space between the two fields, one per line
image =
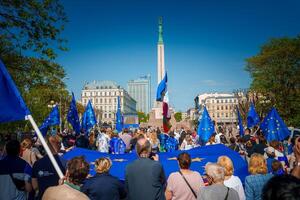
x=273 y=127
x=72 y=116
x=162 y=88
x=52 y=119
x=12 y=105
x=241 y=127
x=88 y=118
x=119 y=117
x=205 y=127
x=253 y=118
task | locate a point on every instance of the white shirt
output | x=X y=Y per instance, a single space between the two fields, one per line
x=218 y=138
x=235 y=183
x=103 y=142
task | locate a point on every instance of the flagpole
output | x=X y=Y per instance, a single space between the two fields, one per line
x=40 y=136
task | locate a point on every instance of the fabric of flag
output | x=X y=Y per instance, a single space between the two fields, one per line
x=119 y=117
x=162 y=88
x=72 y=116
x=88 y=118
x=12 y=105
x=273 y=127
x=252 y=118
x=205 y=127
x=240 y=120
x=52 y=119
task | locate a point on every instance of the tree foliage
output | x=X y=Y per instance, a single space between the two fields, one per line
x=143 y=117
x=178 y=116
x=275 y=76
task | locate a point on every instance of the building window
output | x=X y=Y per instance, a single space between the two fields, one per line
x=217 y=107
x=84 y=100
x=226 y=107
x=96 y=100
x=221 y=107
x=208 y=101
x=225 y=100
x=226 y=114
x=230 y=101
x=221 y=101
x=100 y=100
x=208 y=107
x=104 y=100
x=109 y=115
x=213 y=101
x=115 y=100
x=222 y=114
x=217 y=101
x=105 y=115
x=218 y=115
x=109 y=101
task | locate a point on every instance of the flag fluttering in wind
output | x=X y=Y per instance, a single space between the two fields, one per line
x=252 y=118
x=72 y=116
x=88 y=118
x=52 y=120
x=163 y=96
x=274 y=127
x=205 y=126
x=12 y=105
x=240 y=120
x=119 y=117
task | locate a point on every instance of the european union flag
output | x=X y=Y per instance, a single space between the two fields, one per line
x=72 y=116
x=162 y=88
x=253 y=118
x=52 y=119
x=241 y=127
x=119 y=117
x=206 y=127
x=273 y=127
x=88 y=118
x=12 y=105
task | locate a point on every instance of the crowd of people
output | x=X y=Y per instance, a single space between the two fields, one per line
x=26 y=171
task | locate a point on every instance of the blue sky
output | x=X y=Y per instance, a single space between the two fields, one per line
x=206 y=42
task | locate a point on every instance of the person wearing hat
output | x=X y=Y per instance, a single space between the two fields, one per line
x=270 y=157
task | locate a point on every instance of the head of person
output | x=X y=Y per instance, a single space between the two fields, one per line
x=115 y=134
x=212 y=137
x=77 y=170
x=103 y=165
x=184 y=160
x=284 y=187
x=153 y=136
x=270 y=152
x=262 y=139
x=257 y=164
x=276 y=166
x=26 y=144
x=12 y=148
x=215 y=173
x=232 y=140
x=247 y=131
x=226 y=163
x=143 y=147
x=54 y=144
x=275 y=144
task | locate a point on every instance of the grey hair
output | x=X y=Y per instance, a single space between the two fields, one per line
x=215 y=171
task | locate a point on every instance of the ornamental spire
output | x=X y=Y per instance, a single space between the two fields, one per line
x=160 y=31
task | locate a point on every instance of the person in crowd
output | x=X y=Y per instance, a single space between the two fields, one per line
x=255 y=182
x=285 y=187
x=15 y=174
x=260 y=146
x=182 y=137
x=2 y=150
x=233 y=145
x=102 y=142
x=218 y=136
x=92 y=140
x=133 y=140
x=249 y=149
x=211 y=139
x=247 y=135
x=103 y=186
x=162 y=140
x=82 y=141
x=216 y=190
x=69 y=189
x=126 y=137
x=296 y=169
x=154 y=141
x=26 y=153
x=277 y=168
x=231 y=180
x=43 y=172
x=144 y=177
x=270 y=157
x=116 y=144
x=185 y=184
x=187 y=143
x=171 y=143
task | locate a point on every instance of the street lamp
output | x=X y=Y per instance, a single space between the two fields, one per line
x=60 y=105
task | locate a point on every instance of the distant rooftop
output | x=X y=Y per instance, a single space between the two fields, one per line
x=101 y=85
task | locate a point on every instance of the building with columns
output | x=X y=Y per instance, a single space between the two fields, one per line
x=103 y=96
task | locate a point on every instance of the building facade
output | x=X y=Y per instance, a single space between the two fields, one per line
x=220 y=106
x=140 y=90
x=103 y=96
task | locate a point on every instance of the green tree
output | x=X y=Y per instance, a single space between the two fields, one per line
x=142 y=117
x=178 y=116
x=275 y=74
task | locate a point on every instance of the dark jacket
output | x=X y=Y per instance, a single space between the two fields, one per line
x=104 y=187
x=145 y=179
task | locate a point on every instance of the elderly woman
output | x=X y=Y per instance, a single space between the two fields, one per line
x=216 y=190
x=103 y=185
x=255 y=182
x=184 y=184
x=231 y=181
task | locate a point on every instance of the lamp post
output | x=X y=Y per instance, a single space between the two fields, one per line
x=60 y=105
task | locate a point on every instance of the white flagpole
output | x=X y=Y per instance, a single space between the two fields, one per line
x=49 y=153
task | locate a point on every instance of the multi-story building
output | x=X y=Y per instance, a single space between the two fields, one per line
x=220 y=106
x=103 y=96
x=140 y=90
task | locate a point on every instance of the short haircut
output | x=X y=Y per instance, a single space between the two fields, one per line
x=276 y=165
x=232 y=140
x=283 y=187
x=78 y=169
x=103 y=165
x=215 y=171
x=184 y=160
x=26 y=143
x=226 y=163
x=12 y=147
x=257 y=164
x=143 y=146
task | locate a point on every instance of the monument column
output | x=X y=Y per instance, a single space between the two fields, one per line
x=160 y=53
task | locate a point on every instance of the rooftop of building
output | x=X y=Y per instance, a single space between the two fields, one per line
x=101 y=85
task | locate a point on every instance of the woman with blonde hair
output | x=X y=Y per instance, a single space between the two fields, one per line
x=26 y=153
x=255 y=182
x=154 y=141
x=230 y=180
x=103 y=185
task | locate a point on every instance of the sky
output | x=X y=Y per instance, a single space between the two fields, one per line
x=206 y=42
